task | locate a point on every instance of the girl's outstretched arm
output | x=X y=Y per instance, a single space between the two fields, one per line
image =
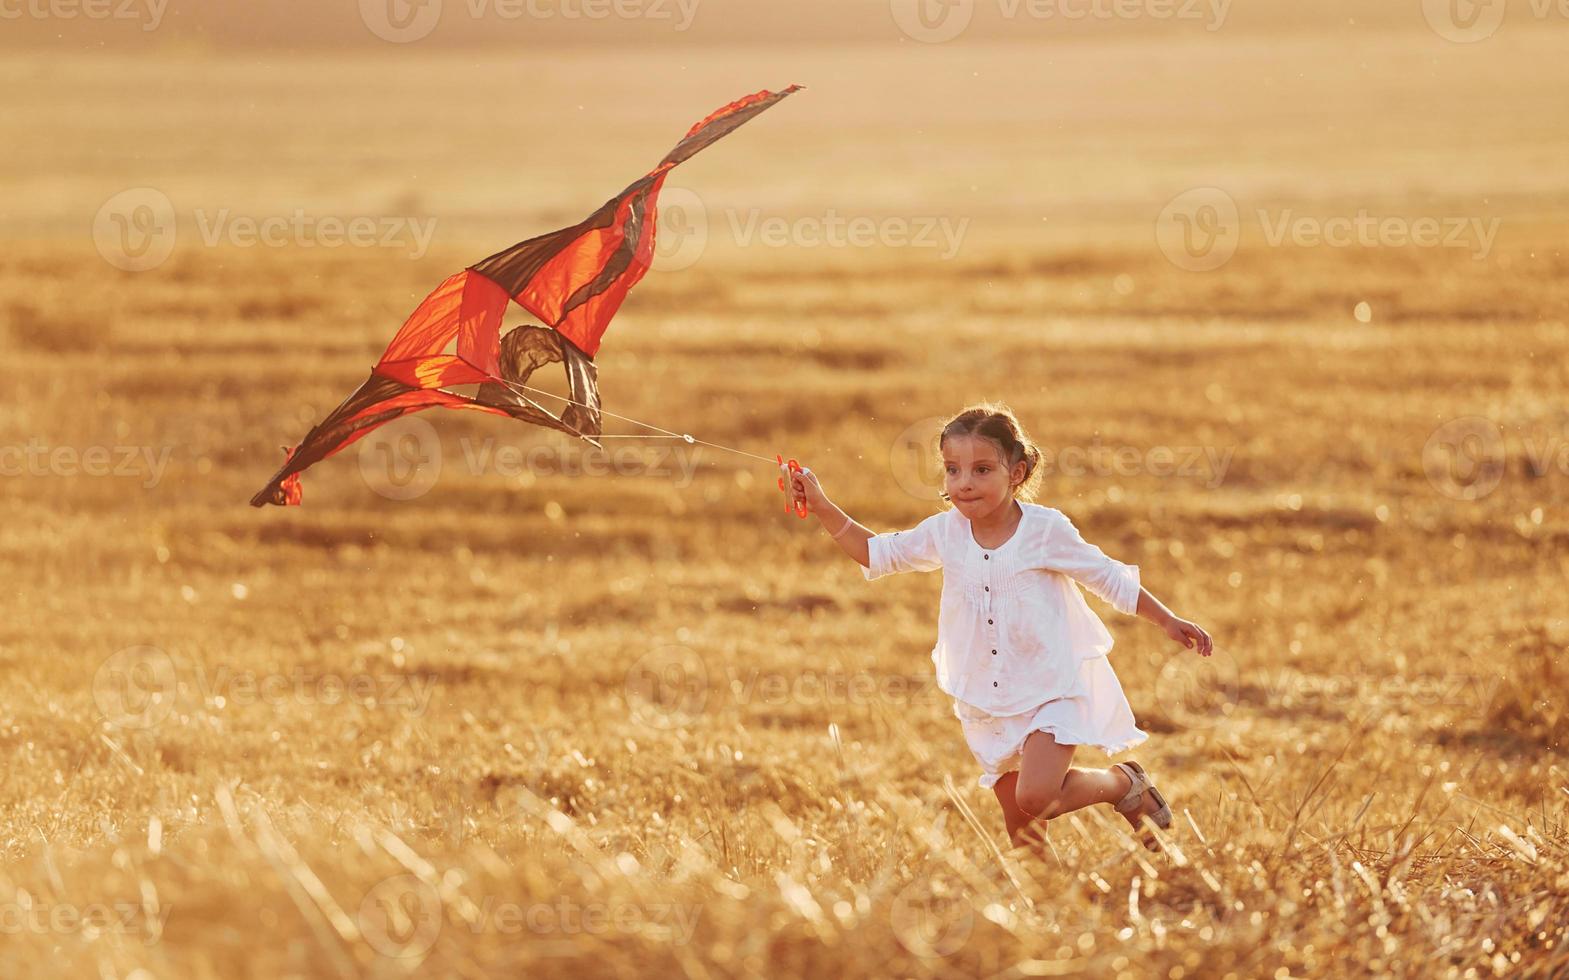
x=1190 y=635
x=850 y=536
x=1118 y=583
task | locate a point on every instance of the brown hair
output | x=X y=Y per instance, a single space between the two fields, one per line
x=995 y=421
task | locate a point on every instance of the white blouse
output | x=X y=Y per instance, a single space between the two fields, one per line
x=1013 y=627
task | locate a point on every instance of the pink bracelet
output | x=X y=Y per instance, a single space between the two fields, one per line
x=847 y=522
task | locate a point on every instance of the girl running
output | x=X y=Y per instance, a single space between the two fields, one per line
x=1018 y=649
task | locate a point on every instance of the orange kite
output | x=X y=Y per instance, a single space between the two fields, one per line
x=574 y=280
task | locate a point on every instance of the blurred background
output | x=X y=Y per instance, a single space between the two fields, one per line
x=1280 y=288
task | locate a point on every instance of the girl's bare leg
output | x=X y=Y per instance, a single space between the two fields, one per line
x=1018 y=822
x=1048 y=786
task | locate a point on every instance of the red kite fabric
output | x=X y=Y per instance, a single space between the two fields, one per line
x=574 y=280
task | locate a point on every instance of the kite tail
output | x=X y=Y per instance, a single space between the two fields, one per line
x=287 y=492
x=291 y=491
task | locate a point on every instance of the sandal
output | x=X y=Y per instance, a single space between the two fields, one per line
x=1134 y=800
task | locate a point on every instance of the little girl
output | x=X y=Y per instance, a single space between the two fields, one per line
x=1018 y=648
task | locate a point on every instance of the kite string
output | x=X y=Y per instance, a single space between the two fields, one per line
x=666 y=433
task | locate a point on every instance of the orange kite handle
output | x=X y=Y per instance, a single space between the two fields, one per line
x=799 y=505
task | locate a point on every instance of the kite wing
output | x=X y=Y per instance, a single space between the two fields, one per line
x=574 y=280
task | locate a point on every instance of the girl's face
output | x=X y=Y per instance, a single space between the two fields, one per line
x=977 y=479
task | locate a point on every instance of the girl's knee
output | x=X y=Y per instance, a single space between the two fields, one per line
x=1037 y=801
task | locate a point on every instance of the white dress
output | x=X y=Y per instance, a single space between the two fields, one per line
x=1018 y=648
x=1099 y=716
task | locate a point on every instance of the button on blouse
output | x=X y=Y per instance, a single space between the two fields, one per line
x=1009 y=648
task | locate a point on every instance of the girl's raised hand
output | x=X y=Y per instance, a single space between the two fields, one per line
x=804 y=486
x=1190 y=635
